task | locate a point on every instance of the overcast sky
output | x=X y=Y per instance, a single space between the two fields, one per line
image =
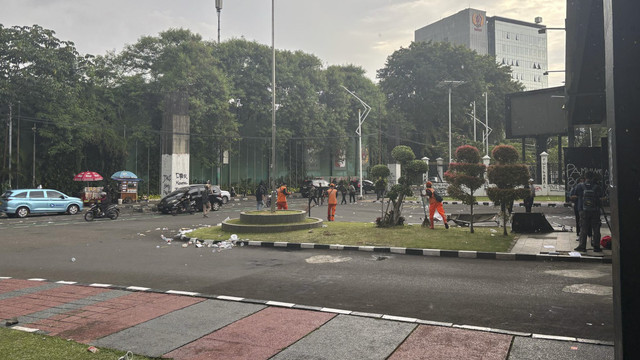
x=359 y=32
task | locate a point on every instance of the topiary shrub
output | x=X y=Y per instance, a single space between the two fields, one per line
x=508 y=176
x=465 y=176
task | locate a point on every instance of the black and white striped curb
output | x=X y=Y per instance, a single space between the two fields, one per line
x=322 y=309
x=466 y=254
x=490 y=203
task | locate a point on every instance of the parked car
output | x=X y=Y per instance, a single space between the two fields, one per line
x=368 y=186
x=306 y=186
x=22 y=202
x=166 y=204
x=224 y=194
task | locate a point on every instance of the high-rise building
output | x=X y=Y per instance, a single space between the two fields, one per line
x=514 y=43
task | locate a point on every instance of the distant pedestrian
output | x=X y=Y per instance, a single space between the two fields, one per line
x=232 y=192
x=380 y=185
x=206 y=203
x=576 y=210
x=589 y=202
x=352 y=193
x=332 y=201
x=313 y=194
x=261 y=192
x=321 y=193
x=282 y=197
x=528 y=201
x=343 y=191
x=435 y=203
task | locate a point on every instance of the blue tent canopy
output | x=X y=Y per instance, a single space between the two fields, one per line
x=125 y=175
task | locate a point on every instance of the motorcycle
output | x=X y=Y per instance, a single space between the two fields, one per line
x=95 y=212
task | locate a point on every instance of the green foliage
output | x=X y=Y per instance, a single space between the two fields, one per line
x=468 y=154
x=505 y=154
x=411 y=81
x=380 y=171
x=508 y=178
x=465 y=176
x=402 y=154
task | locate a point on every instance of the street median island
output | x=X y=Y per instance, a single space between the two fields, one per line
x=264 y=221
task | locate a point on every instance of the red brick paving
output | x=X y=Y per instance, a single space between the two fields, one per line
x=38 y=301
x=258 y=336
x=95 y=321
x=8 y=285
x=442 y=343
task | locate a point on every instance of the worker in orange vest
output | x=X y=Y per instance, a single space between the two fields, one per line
x=282 y=197
x=435 y=203
x=332 y=202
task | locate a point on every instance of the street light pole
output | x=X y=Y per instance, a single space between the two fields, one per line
x=486 y=121
x=33 y=179
x=273 y=108
x=450 y=84
x=361 y=117
x=218 y=9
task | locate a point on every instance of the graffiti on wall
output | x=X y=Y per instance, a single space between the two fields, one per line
x=182 y=179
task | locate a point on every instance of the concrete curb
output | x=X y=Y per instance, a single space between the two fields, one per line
x=323 y=309
x=466 y=254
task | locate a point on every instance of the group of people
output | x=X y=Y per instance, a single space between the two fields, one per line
x=587 y=198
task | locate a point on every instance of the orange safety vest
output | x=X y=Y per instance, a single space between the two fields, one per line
x=282 y=194
x=333 y=196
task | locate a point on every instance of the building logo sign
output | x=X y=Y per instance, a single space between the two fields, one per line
x=478 y=21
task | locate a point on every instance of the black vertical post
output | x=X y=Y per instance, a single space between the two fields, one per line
x=622 y=72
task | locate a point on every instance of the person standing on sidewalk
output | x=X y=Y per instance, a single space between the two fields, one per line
x=206 y=203
x=435 y=203
x=332 y=201
x=589 y=195
x=528 y=201
x=576 y=209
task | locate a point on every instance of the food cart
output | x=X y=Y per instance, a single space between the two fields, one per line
x=90 y=193
x=127 y=186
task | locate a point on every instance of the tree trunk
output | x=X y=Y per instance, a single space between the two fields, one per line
x=503 y=208
x=471 y=225
x=396 y=210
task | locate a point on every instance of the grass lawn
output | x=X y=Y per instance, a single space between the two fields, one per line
x=367 y=234
x=21 y=345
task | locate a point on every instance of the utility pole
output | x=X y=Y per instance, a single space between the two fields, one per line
x=361 y=117
x=10 y=145
x=33 y=180
x=218 y=9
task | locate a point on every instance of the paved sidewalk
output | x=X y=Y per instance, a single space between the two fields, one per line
x=556 y=243
x=194 y=326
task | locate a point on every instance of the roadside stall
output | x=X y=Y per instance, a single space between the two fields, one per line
x=90 y=193
x=127 y=186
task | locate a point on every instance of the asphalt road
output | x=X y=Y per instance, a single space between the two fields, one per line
x=557 y=298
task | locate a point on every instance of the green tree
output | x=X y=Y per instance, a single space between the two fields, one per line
x=465 y=176
x=411 y=169
x=508 y=176
x=412 y=82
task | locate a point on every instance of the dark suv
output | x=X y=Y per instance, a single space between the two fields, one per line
x=195 y=191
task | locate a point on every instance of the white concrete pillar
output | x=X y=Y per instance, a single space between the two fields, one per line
x=544 y=171
x=425 y=176
x=440 y=162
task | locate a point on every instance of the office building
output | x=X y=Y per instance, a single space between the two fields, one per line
x=514 y=43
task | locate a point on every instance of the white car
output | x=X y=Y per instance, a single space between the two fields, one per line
x=224 y=194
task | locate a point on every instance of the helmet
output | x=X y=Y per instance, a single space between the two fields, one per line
x=429 y=183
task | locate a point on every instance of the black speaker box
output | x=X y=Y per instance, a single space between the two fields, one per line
x=530 y=223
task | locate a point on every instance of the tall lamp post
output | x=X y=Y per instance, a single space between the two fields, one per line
x=450 y=84
x=273 y=109
x=218 y=9
x=361 y=117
